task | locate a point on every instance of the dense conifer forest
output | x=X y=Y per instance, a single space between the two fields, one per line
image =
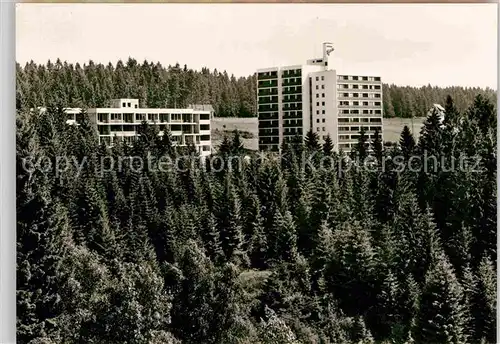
x=93 y=85
x=307 y=247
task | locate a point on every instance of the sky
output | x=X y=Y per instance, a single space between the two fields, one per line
x=405 y=44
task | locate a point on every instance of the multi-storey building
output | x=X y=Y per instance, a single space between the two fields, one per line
x=121 y=121
x=295 y=99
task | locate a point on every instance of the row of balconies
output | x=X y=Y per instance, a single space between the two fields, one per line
x=376 y=88
x=357 y=96
x=268 y=115
x=354 y=78
x=174 y=128
x=354 y=137
x=362 y=105
x=176 y=139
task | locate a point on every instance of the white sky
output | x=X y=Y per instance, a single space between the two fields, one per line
x=440 y=44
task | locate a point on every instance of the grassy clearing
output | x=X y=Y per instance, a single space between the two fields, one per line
x=249 y=129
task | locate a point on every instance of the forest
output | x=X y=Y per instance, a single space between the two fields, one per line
x=269 y=251
x=93 y=85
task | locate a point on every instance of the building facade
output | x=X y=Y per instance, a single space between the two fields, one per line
x=294 y=99
x=121 y=121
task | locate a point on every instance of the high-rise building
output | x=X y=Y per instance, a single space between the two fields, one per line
x=294 y=99
x=121 y=121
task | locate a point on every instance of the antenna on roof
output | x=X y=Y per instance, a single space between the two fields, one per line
x=328 y=48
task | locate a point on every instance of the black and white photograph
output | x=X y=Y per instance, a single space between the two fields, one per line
x=256 y=173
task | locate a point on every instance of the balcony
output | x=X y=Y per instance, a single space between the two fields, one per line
x=268 y=92
x=267 y=75
x=296 y=99
x=268 y=83
x=268 y=124
x=291 y=82
x=268 y=132
x=292 y=107
x=297 y=124
x=297 y=73
x=267 y=115
x=264 y=108
x=298 y=90
x=268 y=100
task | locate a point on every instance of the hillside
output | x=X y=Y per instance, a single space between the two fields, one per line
x=92 y=85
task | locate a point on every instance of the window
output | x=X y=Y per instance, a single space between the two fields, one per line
x=317 y=78
x=324 y=129
x=317 y=120
x=129 y=105
x=123 y=104
x=322 y=87
x=343 y=120
x=355 y=86
x=206 y=148
x=344 y=137
x=322 y=78
x=317 y=103
x=135 y=106
x=365 y=103
x=365 y=78
x=364 y=120
x=322 y=95
x=345 y=94
x=317 y=112
x=323 y=120
x=377 y=103
x=317 y=129
x=365 y=95
x=355 y=95
x=355 y=78
x=345 y=77
x=365 y=87
x=323 y=103
x=323 y=112
x=355 y=103
x=317 y=95
x=377 y=78
x=377 y=95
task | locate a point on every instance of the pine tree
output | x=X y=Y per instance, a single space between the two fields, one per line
x=483 y=303
x=236 y=145
x=328 y=146
x=407 y=142
x=362 y=145
x=312 y=141
x=440 y=316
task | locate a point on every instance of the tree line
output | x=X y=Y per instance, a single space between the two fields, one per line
x=94 y=84
x=267 y=251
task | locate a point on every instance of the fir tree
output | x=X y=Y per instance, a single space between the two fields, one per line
x=440 y=317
